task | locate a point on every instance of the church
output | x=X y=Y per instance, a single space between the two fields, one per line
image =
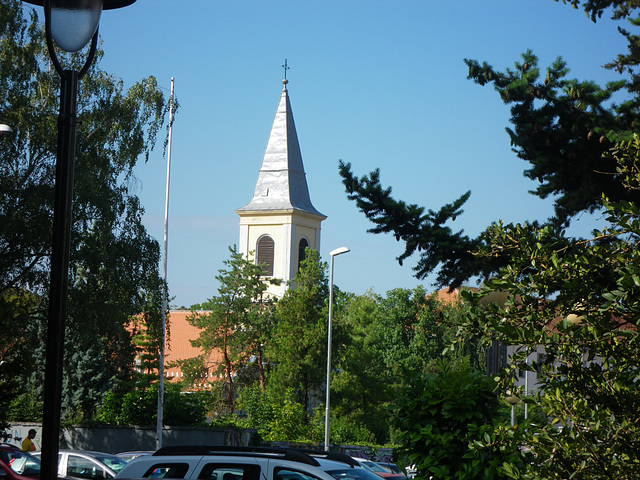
x=276 y=226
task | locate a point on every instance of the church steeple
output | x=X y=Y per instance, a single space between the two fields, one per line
x=280 y=221
x=282 y=182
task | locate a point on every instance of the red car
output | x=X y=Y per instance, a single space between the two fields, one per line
x=16 y=464
x=378 y=470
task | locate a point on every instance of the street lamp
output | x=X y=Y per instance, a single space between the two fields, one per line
x=334 y=253
x=71 y=24
x=513 y=400
x=5 y=129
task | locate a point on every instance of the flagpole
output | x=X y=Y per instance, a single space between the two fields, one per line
x=164 y=283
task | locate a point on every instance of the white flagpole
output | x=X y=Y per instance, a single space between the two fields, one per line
x=164 y=281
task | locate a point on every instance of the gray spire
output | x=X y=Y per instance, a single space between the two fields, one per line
x=282 y=184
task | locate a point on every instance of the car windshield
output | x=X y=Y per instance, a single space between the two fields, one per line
x=114 y=463
x=20 y=462
x=353 y=474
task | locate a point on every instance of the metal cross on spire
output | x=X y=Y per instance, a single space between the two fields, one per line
x=285 y=68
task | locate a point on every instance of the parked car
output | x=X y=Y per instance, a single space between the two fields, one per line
x=378 y=470
x=90 y=465
x=16 y=464
x=245 y=463
x=391 y=467
x=128 y=456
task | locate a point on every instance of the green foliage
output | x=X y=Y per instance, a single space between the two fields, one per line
x=346 y=431
x=445 y=424
x=17 y=338
x=579 y=301
x=574 y=301
x=113 y=269
x=560 y=126
x=406 y=328
x=140 y=407
x=277 y=417
x=25 y=407
x=360 y=380
x=420 y=232
x=234 y=324
x=298 y=342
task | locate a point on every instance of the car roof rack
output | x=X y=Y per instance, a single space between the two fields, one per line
x=294 y=455
x=337 y=456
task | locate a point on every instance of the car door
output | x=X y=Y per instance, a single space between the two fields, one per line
x=79 y=466
x=220 y=468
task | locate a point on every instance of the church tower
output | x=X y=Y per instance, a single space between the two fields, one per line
x=280 y=222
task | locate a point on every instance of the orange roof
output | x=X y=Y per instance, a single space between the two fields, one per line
x=448 y=296
x=178 y=347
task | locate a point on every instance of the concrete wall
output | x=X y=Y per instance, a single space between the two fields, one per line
x=122 y=439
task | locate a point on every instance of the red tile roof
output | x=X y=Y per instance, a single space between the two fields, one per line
x=178 y=347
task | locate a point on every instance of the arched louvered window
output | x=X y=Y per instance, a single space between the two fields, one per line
x=264 y=255
x=304 y=243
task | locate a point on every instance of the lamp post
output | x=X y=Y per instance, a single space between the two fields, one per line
x=71 y=24
x=5 y=129
x=513 y=400
x=332 y=254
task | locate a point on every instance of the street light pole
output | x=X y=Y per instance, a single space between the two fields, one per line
x=71 y=24
x=334 y=253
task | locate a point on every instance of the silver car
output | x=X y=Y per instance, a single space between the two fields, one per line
x=89 y=465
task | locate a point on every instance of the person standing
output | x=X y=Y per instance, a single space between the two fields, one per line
x=27 y=443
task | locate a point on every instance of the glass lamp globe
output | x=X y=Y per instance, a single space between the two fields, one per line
x=74 y=22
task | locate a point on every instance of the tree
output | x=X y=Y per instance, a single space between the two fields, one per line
x=360 y=385
x=234 y=323
x=440 y=416
x=298 y=343
x=404 y=329
x=277 y=418
x=140 y=407
x=17 y=340
x=561 y=127
x=579 y=301
x=113 y=268
x=576 y=300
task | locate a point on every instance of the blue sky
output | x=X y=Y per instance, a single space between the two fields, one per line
x=377 y=83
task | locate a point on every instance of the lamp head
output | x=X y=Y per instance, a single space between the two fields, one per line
x=339 y=251
x=106 y=4
x=5 y=129
x=75 y=22
x=512 y=399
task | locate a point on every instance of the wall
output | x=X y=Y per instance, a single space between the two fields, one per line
x=122 y=439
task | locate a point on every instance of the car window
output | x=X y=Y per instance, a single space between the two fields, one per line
x=38 y=455
x=290 y=474
x=357 y=473
x=374 y=466
x=114 y=463
x=167 y=470
x=21 y=463
x=233 y=471
x=80 y=467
